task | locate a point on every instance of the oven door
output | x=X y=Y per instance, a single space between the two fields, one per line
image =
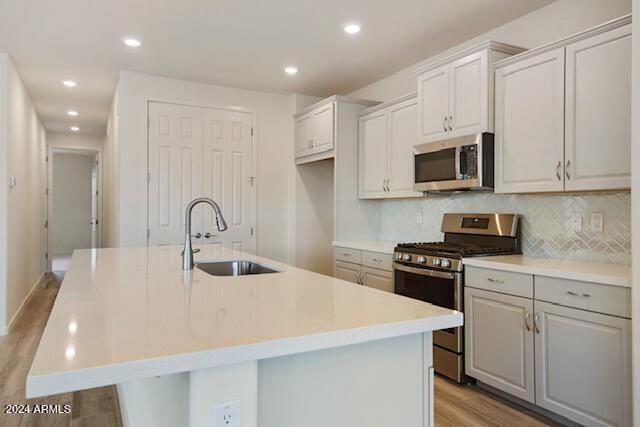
x=440 y=288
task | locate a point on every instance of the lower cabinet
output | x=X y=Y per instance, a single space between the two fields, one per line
x=583 y=367
x=356 y=268
x=378 y=279
x=347 y=271
x=499 y=341
x=570 y=361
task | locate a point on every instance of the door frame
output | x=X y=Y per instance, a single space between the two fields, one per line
x=49 y=194
x=254 y=152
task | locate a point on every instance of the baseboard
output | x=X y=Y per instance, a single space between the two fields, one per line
x=6 y=329
x=122 y=406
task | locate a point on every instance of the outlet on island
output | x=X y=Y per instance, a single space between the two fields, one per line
x=227 y=414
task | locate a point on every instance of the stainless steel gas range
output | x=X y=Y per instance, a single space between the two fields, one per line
x=433 y=272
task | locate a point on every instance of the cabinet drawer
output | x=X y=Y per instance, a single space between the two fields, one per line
x=377 y=260
x=348 y=255
x=614 y=300
x=506 y=282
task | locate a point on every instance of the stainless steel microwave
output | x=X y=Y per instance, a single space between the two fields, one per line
x=464 y=163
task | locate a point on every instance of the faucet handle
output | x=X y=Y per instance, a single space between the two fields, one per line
x=197 y=235
x=193 y=251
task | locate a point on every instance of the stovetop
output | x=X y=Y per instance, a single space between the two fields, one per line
x=455 y=250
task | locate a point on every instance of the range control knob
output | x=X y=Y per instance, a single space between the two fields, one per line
x=398 y=256
x=406 y=257
x=422 y=260
x=445 y=263
x=436 y=261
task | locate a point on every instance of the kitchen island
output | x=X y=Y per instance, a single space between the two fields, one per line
x=290 y=348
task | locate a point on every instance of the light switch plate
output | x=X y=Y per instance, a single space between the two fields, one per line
x=597 y=222
x=576 y=221
x=227 y=414
x=12 y=181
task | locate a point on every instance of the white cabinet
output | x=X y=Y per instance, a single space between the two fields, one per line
x=303 y=135
x=347 y=271
x=583 y=367
x=529 y=136
x=377 y=279
x=322 y=138
x=563 y=114
x=455 y=95
x=366 y=268
x=499 y=341
x=387 y=134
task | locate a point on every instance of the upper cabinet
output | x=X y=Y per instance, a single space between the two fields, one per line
x=455 y=95
x=387 y=134
x=563 y=114
x=316 y=128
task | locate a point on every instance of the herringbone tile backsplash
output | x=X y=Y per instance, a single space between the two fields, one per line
x=544 y=226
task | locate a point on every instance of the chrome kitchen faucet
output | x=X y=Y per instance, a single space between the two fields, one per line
x=187 y=252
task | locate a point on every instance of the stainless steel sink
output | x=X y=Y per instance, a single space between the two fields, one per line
x=233 y=268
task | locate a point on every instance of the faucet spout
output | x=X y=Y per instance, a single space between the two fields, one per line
x=187 y=252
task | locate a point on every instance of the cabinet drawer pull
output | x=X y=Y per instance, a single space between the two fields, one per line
x=450 y=121
x=535 y=322
x=578 y=294
x=346 y=254
x=527 y=316
x=444 y=123
x=558 y=170
x=496 y=281
x=376 y=260
x=566 y=169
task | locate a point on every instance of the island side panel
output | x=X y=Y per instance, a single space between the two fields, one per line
x=375 y=384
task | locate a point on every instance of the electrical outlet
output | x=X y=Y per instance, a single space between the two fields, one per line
x=576 y=221
x=12 y=181
x=597 y=222
x=419 y=217
x=227 y=414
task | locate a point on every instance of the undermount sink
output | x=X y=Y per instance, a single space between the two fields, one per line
x=233 y=268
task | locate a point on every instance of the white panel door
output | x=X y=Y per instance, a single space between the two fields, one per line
x=529 y=126
x=583 y=365
x=227 y=157
x=469 y=94
x=403 y=121
x=499 y=341
x=377 y=279
x=175 y=171
x=373 y=154
x=433 y=104
x=303 y=136
x=347 y=271
x=598 y=112
x=322 y=128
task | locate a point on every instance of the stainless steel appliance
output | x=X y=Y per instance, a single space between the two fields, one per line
x=433 y=272
x=464 y=163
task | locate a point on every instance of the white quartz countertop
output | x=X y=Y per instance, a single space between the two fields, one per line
x=598 y=272
x=130 y=313
x=380 y=246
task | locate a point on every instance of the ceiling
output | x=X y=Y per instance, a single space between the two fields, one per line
x=240 y=43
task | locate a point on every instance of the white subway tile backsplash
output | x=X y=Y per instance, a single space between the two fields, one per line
x=545 y=226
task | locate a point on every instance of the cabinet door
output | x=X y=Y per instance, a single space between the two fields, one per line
x=529 y=127
x=347 y=271
x=378 y=279
x=433 y=104
x=403 y=119
x=373 y=138
x=598 y=112
x=583 y=365
x=499 y=341
x=469 y=95
x=323 y=134
x=303 y=137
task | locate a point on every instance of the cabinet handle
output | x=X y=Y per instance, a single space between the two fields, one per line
x=450 y=121
x=197 y=235
x=535 y=322
x=495 y=281
x=387 y=184
x=578 y=294
x=359 y=278
x=346 y=255
x=444 y=123
x=527 y=316
x=566 y=169
x=558 y=170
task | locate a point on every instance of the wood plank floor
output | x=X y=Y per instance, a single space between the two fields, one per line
x=95 y=407
x=455 y=405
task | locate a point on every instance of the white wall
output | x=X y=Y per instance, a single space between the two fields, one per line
x=554 y=21
x=128 y=154
x=74 y=140
x=111 y=181
x=71 y=193
x=635 y=209
x=22 y=208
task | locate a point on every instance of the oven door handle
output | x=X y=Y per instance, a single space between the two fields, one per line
x=423 y=271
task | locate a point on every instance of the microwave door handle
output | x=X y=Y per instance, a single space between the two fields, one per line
x=457 y=162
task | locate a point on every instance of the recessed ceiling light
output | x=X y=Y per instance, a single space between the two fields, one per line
x=131 y=42
x=74 y=128
x=69 y=83
x=291 y=70
x=351 y=28
x=72 y=113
